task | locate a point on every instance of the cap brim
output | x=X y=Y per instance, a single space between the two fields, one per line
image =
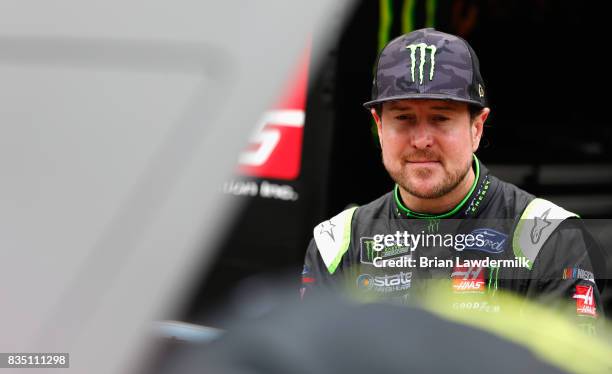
x=370 y=104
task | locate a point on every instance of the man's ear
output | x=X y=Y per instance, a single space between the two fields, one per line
x=378 y=124
x=478 y=127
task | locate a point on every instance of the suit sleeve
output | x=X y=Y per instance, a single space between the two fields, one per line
x=315 y=276
x=563 y=272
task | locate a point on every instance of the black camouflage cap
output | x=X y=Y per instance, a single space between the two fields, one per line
x=428 y=64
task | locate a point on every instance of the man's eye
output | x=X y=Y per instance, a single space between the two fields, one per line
x=440 y=118
x=403 y=117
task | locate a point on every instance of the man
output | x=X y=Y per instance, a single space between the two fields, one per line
x=429 y=105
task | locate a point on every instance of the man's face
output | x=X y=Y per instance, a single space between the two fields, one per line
x=427 y=145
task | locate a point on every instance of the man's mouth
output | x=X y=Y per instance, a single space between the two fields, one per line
x=423 y=162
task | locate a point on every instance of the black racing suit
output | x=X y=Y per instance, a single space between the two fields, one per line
x=549 y=246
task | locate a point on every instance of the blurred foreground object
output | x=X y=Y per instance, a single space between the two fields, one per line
x=333 y=335
x=120 y=124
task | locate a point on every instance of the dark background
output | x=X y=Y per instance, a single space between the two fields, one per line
x=549 y=131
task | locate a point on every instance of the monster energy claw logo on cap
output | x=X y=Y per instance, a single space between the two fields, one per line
x=427 y=64
x=422 y=47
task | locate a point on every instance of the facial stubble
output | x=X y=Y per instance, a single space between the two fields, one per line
x=450 y=181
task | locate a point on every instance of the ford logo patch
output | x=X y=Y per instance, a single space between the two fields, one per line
x=494 y=241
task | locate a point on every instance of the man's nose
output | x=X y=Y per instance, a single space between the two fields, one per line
x=421 y=136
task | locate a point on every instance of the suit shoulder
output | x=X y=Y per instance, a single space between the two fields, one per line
x=378 y=208
x=333 y=236
x=515 y=199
